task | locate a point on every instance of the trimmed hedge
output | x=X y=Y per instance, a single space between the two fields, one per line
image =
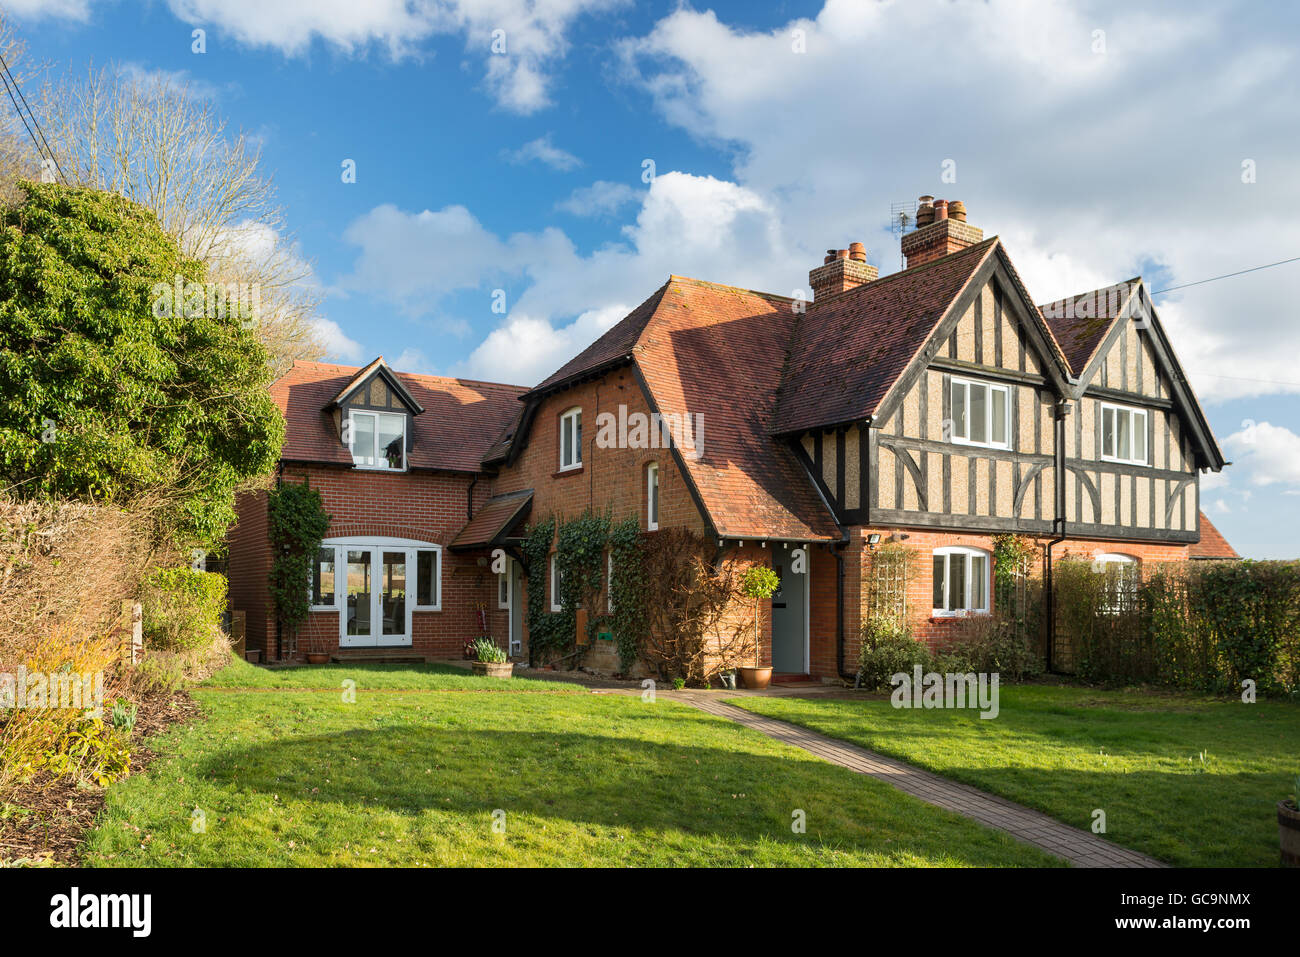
x=1198 y=627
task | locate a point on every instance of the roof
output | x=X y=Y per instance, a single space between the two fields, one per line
x=461 y=421
x=850 y=348
x=1080 y=323
x=494 y=521
x=614 y=346
x=385 y=370
x=1212 y=543
x=715 y=351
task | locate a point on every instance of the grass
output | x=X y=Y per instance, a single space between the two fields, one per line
x=300 y=778
x=1191 y=781
x=240 y=674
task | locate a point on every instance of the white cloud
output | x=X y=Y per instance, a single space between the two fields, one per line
x=601 y=198
x=1092 y=167
x=413 y=360
x=543 y=150
x=338 y=346
x=533 y=32
x=1265 y=454
x=699 y=225
x=54 y=9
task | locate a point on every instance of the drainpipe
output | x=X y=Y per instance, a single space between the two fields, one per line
x=1058 y=524
x=279 y=481
x=839 y=616
x=469 y=498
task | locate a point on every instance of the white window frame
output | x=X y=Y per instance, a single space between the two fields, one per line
x=375 y=546
x=1135 y=414
x=993 y=388
x=311 y=582
x=609 y=583
x=571 y=418
x=555 y=582
x=1112 y=604
x=652 y=497
x=380 y=461
x=504 y=578
x=965 y=554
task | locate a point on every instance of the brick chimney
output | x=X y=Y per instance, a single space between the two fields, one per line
x=841 y=269
x=941 y=228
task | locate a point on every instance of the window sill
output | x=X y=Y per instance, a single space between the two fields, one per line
x=937 y=616
x=323 y=608
x=576 y=470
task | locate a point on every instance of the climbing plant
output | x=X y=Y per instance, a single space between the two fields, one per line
x=580 y=561
x=297 y=522
x=546 y=629
x=628 y=589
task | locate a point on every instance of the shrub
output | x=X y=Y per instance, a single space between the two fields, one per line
x=182 y=608
x=888 y=648
x=989 y=644
x=297 y=522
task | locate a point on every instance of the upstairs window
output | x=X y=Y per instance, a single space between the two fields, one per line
x=1123 y=434
x=961 y=581
x=980 y=413
x=652 y=496
x=571 y=440
x=377 y=440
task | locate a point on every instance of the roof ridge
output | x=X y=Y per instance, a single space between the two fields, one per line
x=909 y=272
x=722 y=285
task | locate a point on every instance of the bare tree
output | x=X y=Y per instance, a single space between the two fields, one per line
x=161 y=143
x=19 y=158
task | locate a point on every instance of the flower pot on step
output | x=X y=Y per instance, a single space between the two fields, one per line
x=317 y=658
x=1288 y=832
x=756 y=678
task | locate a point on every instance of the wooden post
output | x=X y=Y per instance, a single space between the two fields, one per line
x=237 y=632
x=131 y=625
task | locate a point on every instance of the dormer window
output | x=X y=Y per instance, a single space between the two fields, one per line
x=571 y=440
x=377 y=440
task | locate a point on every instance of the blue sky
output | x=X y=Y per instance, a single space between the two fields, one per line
x=1100 y=140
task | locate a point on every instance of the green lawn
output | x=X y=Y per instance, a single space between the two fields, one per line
x=240 y=674
x=302 y=778
x=1137 y=755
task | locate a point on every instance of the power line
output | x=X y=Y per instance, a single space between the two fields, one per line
x=1239 y=272
x=1242 y=378
x=7 y=76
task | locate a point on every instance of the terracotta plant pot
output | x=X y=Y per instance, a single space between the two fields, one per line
x=317 y=657
x=493 y=669
x=1288 y=832
x=756 y=678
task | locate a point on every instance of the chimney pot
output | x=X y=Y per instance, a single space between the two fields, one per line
x=841 y=254
x=957 y=210
x=858 y=252
x=842 y=269
x=940 y=209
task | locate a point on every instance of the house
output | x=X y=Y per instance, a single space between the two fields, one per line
x=410 y=480
x=938 y=406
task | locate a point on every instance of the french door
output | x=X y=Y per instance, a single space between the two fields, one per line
x=377 y=604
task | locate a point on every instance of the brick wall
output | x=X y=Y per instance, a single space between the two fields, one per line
x=926 y=627
x=248 y=567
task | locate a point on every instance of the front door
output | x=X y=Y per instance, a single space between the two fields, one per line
x=789 y=618
x=375 y=612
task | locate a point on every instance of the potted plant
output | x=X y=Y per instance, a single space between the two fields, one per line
x=317 y=650
x=759 y=583
x=490 y=659
x=1288 y=827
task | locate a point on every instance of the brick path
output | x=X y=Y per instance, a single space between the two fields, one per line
x=1081 y=848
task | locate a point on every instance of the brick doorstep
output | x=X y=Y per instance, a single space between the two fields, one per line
x=1081 y=848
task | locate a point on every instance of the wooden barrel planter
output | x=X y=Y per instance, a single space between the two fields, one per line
x=1288 y=832
x=493 y=669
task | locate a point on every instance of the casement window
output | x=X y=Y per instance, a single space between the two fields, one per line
x=609 y=583
x=1123 y=434
x=322 y=578
x=961 y=581
x=652 y=496
x=555 y=582
x=571 y=440
x=1123 y=574
x=377 y=440
x=503 y=588
x=981 y=412
x=428 y=579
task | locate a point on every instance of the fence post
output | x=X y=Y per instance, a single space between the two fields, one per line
x=131 y=626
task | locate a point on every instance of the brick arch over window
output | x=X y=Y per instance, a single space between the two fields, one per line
x=385 y=530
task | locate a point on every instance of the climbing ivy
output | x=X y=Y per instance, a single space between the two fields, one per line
x=628 y=588
x=297 y=522
x=546 y=629
x=580 y=560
